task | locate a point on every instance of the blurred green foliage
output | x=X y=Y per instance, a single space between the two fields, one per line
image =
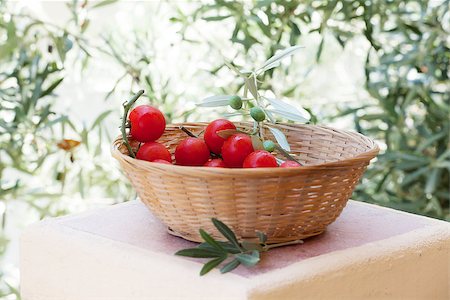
x=406 y=77
x=33 y=135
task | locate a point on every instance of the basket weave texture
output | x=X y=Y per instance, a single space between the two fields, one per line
x=286 y=204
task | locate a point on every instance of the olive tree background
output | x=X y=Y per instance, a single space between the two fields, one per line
x=378 y=67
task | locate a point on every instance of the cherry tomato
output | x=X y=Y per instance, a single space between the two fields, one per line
x=214 y=141
x=260 y=159
x=147 y=123
x=152 y=151
x=215 y=163
x=235 y=149
x=290 y=164
x=161 y=161
x=192 y=152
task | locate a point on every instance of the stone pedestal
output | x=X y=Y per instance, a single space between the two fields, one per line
x=123 y=252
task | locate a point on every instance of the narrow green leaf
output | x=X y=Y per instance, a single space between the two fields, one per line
x=230 y=266
x=230 y=248
x=319 y=50
x=100 y=119
x=432 y=181
x=257 y=143
x=216 y=18
x=443 y=156
x=428 y=142
x=251 y=85
x=226 y=133
x=210 y=240
x=199 y=253
x=81 y=184
x=53 y=122
x=233 y=68
x=215 y=101
x=248 y=259
x=442 y=164
x=226 y=232
x=281 y=138
x=278 y=57
x=414 y=175
x=211 y=265
x=293 y=116
x=50 y=89
x=284 y=107
x=103 y=3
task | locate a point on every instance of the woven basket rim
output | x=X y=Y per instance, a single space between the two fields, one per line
x=341 y=163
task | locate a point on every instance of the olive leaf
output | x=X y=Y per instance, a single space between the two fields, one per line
x=234 y=69
x=230 y=266
x=257 y=143
x=199 y=253
x=246 y=253
x=252 y=86
x=226 y=133
x=226 y=232
x=288 y=115
x=209 y=239
x=211 y=265
x=281 y=138
x=276 y=59
x=288 y=111
x=215 y=101
x=248 y=259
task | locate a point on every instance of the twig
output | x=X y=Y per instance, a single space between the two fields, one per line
x=188 y=132
x=286 y=154
x=271 y=246
x=126 y=108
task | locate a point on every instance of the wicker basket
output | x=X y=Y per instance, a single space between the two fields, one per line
x=285 y=203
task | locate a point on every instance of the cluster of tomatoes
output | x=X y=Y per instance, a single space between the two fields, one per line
x=236 y=151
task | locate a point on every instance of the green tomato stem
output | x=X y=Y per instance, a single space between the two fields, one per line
x=126 y=108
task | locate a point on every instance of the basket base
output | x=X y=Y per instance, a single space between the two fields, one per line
x=273 y=242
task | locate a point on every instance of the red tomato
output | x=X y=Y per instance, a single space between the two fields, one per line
x=290 y=164
x=235 y=149
x=215 y=163
x=192 y=152
x=161 y=161
x=214 y=141
x=152 y=151
x=147 y=123
x=260 y=159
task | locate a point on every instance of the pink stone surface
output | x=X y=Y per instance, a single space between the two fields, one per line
x=359 y=224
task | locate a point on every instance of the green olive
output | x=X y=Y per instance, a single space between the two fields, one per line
x=269 y=146
x=235 y=102
x=257 y=114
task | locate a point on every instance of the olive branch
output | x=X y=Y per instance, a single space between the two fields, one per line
x=262 y=109
x=245 y=253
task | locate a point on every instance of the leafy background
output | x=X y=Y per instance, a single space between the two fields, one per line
x=378 y=67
